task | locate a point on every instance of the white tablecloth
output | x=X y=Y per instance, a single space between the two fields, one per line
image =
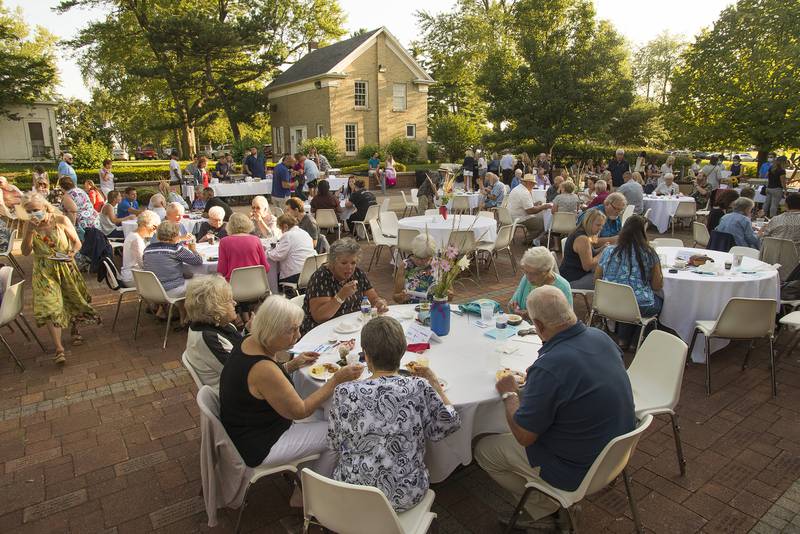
x=539 y=195
x=188 y=226
x=484 y=228
x=690 y=297
x=210 y=266
x=662 y=208
x=472 y=198
x=466 y=359
x=336 y=183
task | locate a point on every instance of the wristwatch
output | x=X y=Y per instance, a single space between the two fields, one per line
x=338 y=299
x=508 y=394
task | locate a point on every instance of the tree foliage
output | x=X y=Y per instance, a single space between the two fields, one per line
x=654 y=64
x=89 y=154
x=325 y=145
x=79 y=121
x=455 y=133
x=27 y=63
x=737 y=85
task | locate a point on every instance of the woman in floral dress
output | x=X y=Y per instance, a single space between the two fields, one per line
x=414 y=278
x=60 y=297
x=77 y=206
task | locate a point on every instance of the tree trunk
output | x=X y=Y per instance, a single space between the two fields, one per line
x=237 y=135
x=188 y=142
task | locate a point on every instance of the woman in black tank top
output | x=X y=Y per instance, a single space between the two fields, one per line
x=580 y=256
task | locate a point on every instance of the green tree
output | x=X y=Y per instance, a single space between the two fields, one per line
x=737 y=85
x=654 y=64
x=640 y=124
x=27 y=64
x=79 y=121
x=455 y=133
x=574 y=77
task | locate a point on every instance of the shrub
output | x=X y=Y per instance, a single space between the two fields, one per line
x=455 y=134
x=353 y=167
x=403 y=149
x=325 y=145
x=90 y=154
x=366 y=152
x=143 y=174
x=245 y=143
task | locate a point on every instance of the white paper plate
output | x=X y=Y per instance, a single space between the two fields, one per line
x=318 y=372
x=347 y=327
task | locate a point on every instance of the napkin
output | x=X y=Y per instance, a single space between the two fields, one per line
x=419 y=348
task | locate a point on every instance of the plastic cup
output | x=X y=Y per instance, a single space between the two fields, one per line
x=487 y=312
x=423 y=361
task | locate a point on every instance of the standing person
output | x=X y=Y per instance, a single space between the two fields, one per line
x=482 y=168
x=468 y=168
x=494 y=164
x=191 y=167
x=736 y=168
x=428 y=193
x=764 y=169
x=174 y=167
x=776 y=186
x=254 y=165
x=106 y=177
x=201 y=177
x=633 y=192
x=96 y=197
x=507 y=166
x=577 y=398
x=713 y=172
x=310 y=173
x=108 y=220
x=525 y=210
x=374 y=169
x=618 y=166
x=65 y=168
x=666 y=168
x=283 y=182
x=60 y=297
x=222 y=171
x=77 y=206
x=695 y=168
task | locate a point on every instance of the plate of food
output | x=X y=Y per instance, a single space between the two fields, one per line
x=514 y=319
x=323 y=371
x=411 y=365
x=60 y=256
x=347 y=327
x=518 y=376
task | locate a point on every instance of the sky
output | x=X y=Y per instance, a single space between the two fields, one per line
x=638 y=20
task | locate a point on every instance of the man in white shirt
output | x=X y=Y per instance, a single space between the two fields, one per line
x=507 y=166
x=668 y=187
x=292 y=249
x=174 y=167
x=524 y=209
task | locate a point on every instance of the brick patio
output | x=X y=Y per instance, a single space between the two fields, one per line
x=110 y=443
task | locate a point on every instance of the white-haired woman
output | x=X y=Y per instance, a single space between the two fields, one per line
x=337 y=287
x=135 y=242
x=158 y=205
x=539 y=269
x=264 y=222
x=240 y=248
x=414 y=279
x=60 y=297
x=668 y=187
x=259 y=406
x=212 y=336
x=214 y=227
x=666 y=168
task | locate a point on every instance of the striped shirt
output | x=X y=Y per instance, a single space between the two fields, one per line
x=785 y=226
x=166 y=261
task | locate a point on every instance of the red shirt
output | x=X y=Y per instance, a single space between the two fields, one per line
x=599 y=199
x=240 y=251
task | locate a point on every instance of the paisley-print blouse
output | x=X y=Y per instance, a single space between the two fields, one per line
x=379 y=427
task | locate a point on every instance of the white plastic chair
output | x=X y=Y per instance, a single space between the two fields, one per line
x=250 y=284
x=342 y=507
x=705 y=212
x=327 y=220
x=656 y=375
x=10 y=311
x=310 y=266
x=388 y=220
x=646 y=216
x=781 y=251
x=792 y=322
x=7 y=255
x=618 y=303
x=372 y=213
x=404 y=239
x=431 y=212
x=667 y=242
x=386 y=204
x=298 y=300
x=583 y=293
x=415 y=199
x=741 y=318
x=381 y=242
x=563 y=223
x=208 y=402
x=487 y=214
x=150 y=290
x=686 y=210
x=700 y=234
x=611 y=461
x=627 y=213
x=504 y=217
x=491 y=249
x=460 y=204
x=113 y=283
x=192 y=371
x=409 y=205
x=745 y=251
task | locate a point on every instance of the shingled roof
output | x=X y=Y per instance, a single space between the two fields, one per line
x=320 y=61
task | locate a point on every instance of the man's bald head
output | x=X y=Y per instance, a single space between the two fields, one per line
x=550 y=311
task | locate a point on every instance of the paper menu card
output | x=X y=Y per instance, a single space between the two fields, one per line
x=417 y=333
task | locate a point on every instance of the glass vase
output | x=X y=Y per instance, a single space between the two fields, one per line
x=440 y=316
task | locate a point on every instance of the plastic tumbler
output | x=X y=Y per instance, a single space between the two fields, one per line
x=487 y=312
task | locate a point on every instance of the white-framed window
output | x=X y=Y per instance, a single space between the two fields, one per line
x=350 y=138
x=399 y=97
x=360 y=94
x=411 y=131
x=320 y=130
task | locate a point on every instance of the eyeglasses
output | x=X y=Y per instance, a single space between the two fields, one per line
x=618 y=208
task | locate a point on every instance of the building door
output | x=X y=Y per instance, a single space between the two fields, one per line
x=36 y=134
x=297 y=136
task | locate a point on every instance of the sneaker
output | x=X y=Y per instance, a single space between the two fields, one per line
x=524 y=522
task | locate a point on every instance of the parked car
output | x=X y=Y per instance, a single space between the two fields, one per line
x=205 y=150
x=147 y=152
x=744 y=157
x=221 y=150
x=120 y=154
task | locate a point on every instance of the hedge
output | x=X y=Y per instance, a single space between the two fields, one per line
x=364 y=167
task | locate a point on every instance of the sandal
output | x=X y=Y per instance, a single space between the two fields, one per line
x=59 y=357
x=77 y=340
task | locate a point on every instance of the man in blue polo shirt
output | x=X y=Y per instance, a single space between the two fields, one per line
x=577 y=398
x=254 y=165
x=282 y=181
x=612 y=207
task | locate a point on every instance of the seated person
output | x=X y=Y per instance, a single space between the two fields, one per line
x=361 y=200
x=337 y=287
x=175 y=213
x=632 y=191
x=493 y=193
x=258 y=402
x=324 y=200
x=212 y=201
x=633 y=262
x=199 y=203
x=214 y=227
x=222 y=170
x=128 y=205
x=601 y=193
x=526 y=211
x=295 y=207
x=554 y=189
x=133 y=248
x=240 y=248
x=542 y=180
x=158 y=205
x=362 y=433
x=739 y=224
x=108 y=220
x=413 y=281
x=612 y=207
x=576 y=399
x=722 y=199
x=582 y=251
x=169 y=195
x=668 y=187
x=701 y=191
x=264 y=224
x=292 y=249
x=212 y=335
x=566 y=200
x=538 y=266
x=515 y=181
x=787 y=224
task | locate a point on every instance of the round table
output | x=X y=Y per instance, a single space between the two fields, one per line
x=539 y=195
x=473 y=199
x=690 y=297
x=466 y=359
x=209 y=266
x=188 y=225
x=662 y=208
x=484 y=228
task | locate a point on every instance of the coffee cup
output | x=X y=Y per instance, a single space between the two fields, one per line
x=680 y=264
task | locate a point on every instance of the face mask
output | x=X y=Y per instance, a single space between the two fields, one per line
x=37 y=215
x=770 y=160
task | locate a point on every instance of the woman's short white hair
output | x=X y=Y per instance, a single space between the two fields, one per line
x=742 y=204
x=538 y=259
x=148 y=219
x=208 y=300
x=175 y=207
x=669 y=175
x=239 y=223
x=260 y=201
x=274 y=317
x=549 y=306
x=168 y=231
x=217 y=212
x=423 y=246
x=600 y=186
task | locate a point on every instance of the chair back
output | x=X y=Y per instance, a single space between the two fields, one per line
x=11 y=306
x=656 y=372
x=373 y=212
x=504 y=236
x=249 y=284
x=460 y=203
x=745 y=251
x=616 y=301
x=555 y=262
x=326 y=218
x=334 y=504
x=6 y=273
x=310 y=266
x=487 y=214
x=504 y=216
x=646 y=216
x=627 y=213
x=685 y=209
x=405 y=200
x=667 y=242
x=192 y=371
x=375 y=230
x=720 y=241
x=414 y=193
x=463 y=240
x=700 y=234
x=389 y=223
x=611 y=460
x=149 y=287
x=298 y=300
x=783 y=251
x=404 y=239
x=744 y=318
x=276 y=211
x=563 y=222
x=385 y=204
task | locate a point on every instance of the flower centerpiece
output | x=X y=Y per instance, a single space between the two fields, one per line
x=447 y=265
x=447 y=189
